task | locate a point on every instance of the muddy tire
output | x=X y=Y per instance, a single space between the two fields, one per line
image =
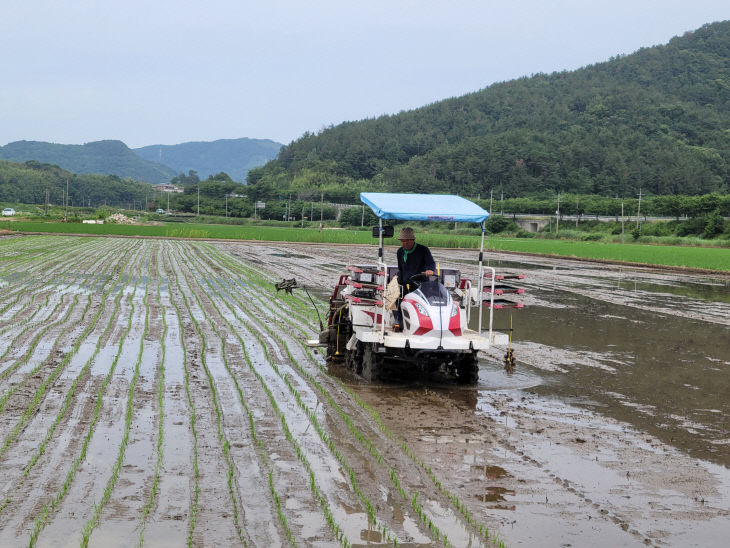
x=372 y=363
x=468 y=369
x=354 y=357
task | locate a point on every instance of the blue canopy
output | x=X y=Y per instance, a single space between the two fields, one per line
x=424 y=207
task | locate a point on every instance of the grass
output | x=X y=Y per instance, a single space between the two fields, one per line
x=681 y=256
x=711 y=258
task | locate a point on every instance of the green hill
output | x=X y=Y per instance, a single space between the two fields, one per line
x=232 y=156
x=104 y=157
x=657 y=120
x=32 y=182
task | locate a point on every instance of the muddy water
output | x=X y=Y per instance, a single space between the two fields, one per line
x=612 y=430
x=663 y=373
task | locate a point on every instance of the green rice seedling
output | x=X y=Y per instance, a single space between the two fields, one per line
x=221 y=435
x=312 y=417
x=41 y=520
x=459 y=505
x=98 y=507
x=300 y=454
x=160 y=421
x=194 y=499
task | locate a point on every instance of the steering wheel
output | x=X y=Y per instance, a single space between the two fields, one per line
x=415 y=281
x=418 y=278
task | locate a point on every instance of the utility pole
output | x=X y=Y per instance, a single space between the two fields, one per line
x=622 y=221
x=288 y=208
x=321 y=210
x=168 y=203
x=576 y=212
x=362 y=219
x=65 y=215
x=226 y=206
x=501 y=203
x=490 y=202
x=638 y=209
x=47 y=198
x=557 y=216
x=302 y=215
x=198 y=199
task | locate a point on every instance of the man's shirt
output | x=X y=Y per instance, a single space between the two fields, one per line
x=415 y=261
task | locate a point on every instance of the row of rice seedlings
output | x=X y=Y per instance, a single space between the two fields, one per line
x=70 y=393
x=460 y=506
x=308 y=411
x=221 y=435
x=22 y=360
x=49 y=268
x=160 y=413
x=50 y=276
x=81 y=374
x=195 y=494
x=42 y=519
x=28 y=326
x=313 y=419
x=111 y=483
x=28 y=253
x=336 y=528
x=46 y=327
x=263 y=455
x=48 y=381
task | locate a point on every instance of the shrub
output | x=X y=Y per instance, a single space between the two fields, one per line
x=692 y=227
x=594 y=237
x=715 y=225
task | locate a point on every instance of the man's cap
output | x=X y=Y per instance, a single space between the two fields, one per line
x=406 y=234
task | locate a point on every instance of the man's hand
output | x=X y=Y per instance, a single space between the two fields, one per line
x=429 y=273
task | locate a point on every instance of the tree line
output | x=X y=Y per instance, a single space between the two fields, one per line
x=655 y=121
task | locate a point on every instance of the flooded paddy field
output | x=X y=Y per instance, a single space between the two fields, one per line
x=159 y=393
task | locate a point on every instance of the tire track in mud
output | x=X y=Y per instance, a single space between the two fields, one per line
x=448 y=519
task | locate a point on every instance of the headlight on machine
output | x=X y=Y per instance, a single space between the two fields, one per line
x=420 y=309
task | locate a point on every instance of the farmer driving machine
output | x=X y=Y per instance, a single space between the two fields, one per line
x=435 y=311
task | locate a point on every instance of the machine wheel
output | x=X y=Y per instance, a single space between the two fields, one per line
x=337 y=340
x=468 y=368
x=372 y=363
x=353 y=358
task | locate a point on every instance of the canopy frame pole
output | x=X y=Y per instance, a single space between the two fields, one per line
x=481 y=288
x=383 y=268
x=481 y=278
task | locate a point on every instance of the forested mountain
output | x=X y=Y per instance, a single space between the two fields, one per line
x=28 y=183
x=104 y=157
x=232 y=156
x=657 y=120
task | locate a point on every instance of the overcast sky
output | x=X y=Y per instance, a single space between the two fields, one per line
x=165 y=72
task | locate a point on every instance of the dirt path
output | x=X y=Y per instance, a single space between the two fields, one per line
x=158 y=392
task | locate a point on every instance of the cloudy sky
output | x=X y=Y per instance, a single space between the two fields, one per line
x=165 y=72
